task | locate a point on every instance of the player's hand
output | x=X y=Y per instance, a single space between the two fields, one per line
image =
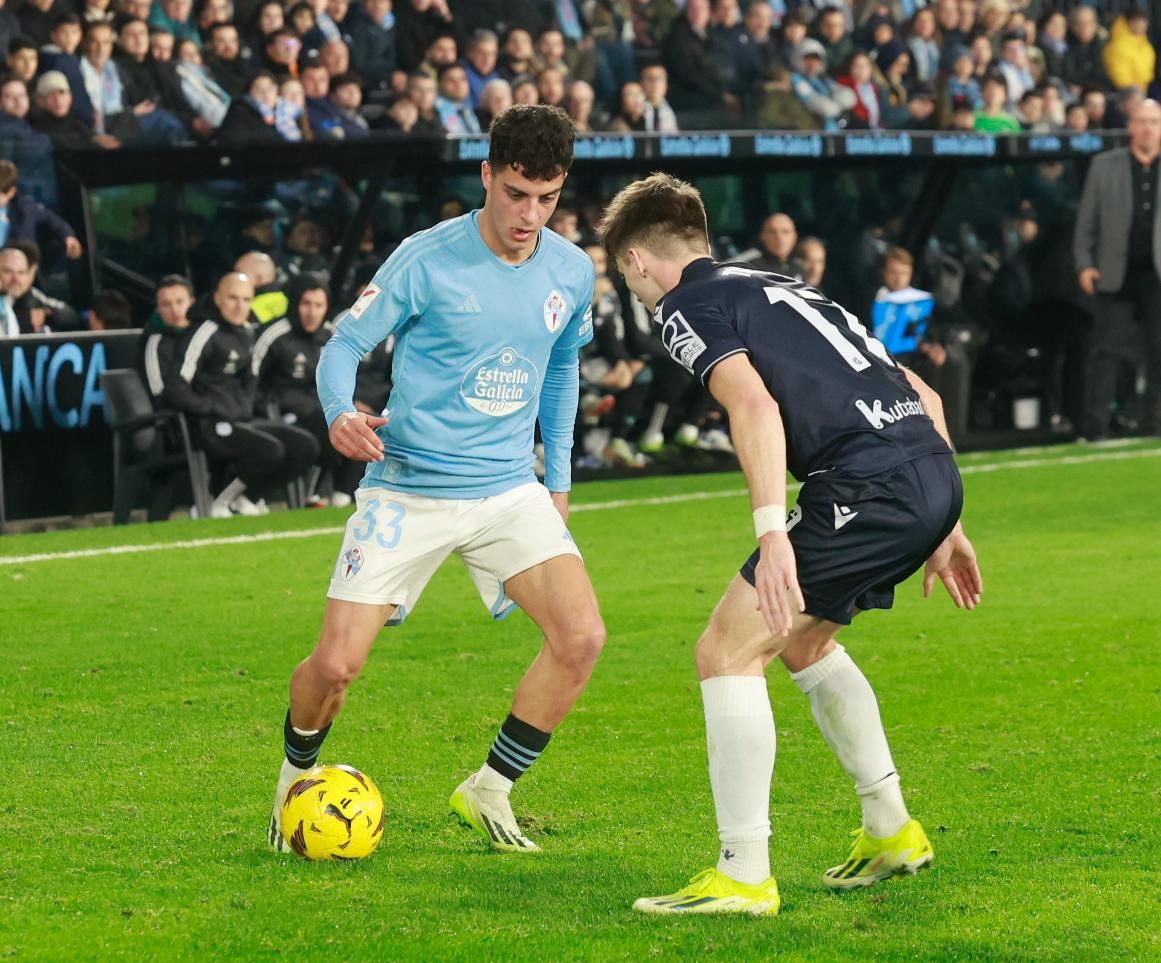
x=776 y=581
x=620 y=377
x=353 y=434
x=955 y=564
x=73 y=248
x=1088 y=280
x=560 y=503
x=935 y=352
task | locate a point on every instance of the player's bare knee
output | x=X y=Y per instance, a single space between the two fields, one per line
x=334 y=673
x=580 y=645
x=335 y=663
x=722 y=652
x=807 y=647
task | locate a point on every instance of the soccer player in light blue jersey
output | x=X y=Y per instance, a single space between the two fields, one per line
x=488 y=311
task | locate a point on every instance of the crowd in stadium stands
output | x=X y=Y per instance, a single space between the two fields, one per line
x=237 y=354
x=109 y=73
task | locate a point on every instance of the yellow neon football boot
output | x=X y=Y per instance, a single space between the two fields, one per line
x=712 y=891
x=872 y=860
x=490 y=814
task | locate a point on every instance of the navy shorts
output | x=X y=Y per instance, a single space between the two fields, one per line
x=855 y=539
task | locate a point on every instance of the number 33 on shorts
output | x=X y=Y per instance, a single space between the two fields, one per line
x=386 y=518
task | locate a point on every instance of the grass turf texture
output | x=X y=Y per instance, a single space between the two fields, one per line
x=143 y=697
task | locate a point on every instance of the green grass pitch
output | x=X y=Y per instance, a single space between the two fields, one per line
x=142 y=697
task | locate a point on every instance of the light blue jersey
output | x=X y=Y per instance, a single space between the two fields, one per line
x=482 y=348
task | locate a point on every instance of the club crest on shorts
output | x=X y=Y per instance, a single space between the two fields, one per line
x=351 y=562
x=554 y=311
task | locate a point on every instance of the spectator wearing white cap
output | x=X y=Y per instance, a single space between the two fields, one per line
x=53 y=115
x=818 y=93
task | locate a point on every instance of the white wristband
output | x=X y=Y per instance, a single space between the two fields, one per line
x=769 y=518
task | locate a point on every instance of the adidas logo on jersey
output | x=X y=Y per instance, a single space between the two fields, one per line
x=879 y=416
x=470 y=306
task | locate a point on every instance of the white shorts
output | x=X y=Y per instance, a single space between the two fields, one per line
x=395 y=541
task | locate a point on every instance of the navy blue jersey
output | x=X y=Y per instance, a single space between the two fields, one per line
x=846 y=404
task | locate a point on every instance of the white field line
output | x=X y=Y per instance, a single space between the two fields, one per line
x=591 y=507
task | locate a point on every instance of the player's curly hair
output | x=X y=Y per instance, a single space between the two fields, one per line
x=533 y=138
x=660 y=213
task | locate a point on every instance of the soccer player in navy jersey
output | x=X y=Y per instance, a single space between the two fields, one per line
x=805 y=388
x=488 y=311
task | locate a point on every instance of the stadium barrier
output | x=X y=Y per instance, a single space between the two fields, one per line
x=56 y=450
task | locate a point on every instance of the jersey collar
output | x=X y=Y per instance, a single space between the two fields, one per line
x=499 y=262
x=695 y=269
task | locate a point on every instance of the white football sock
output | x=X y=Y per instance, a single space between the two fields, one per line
x=488 y=780
x=739 y=729
x=286 y=777
x=845 y=708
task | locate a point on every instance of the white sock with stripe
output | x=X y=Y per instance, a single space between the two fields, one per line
x=846 y=710
x=739 y=728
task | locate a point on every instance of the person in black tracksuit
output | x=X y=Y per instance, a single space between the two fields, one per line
x=162 y=343
x=163 y=337
x=214 y=383
x=283 y=363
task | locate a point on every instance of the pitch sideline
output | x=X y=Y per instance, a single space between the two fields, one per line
x=184 y=544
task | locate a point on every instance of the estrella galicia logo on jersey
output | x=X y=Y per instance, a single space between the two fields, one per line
x=680 y=340
x=588 y=323
x=351 y=562
x=879 y=416
x=501 y=384
x=554 y=311
x=370 y=293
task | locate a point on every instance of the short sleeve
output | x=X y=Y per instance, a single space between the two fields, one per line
x=697 y=337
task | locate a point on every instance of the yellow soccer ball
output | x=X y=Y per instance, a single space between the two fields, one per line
x=332 y=812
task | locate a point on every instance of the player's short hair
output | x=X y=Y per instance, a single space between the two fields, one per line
x=92 y=27
x=113 y=309
x=30 y=250
x=22 y=43
x=660 y=213
x=132 y=21
x=535 y=139
x=481 y=37
x=900 y=255
x=176 y=281
x=344 y=80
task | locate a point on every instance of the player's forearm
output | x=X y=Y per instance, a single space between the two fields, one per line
x=335 y=376
x=558 y=405
x=759 y=439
